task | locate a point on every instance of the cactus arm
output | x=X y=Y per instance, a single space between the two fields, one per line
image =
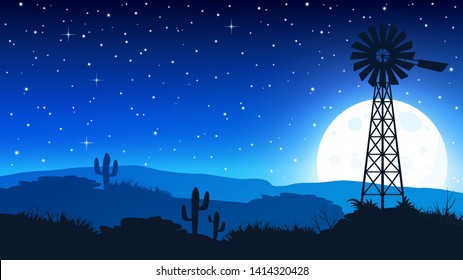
x=115 y=169
x=184 y=215
x=96 y=166
x=222 y=227
x=210 y=219
x=205 y=202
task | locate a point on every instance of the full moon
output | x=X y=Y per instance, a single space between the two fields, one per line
x=423 y=157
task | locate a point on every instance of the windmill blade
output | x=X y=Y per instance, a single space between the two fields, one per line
x=366 y=39
x=366 y=71
x=404 y=64
x=382 y=34
x=403 y=47
x=398 y=39
x=432 y=65
x=361 y=47
x=359 y=55
x=391 y=35
x=405 y=55
x=374 y=76
x=360 y=64
x=373 y=34
x=399 y=72
x=391 y=76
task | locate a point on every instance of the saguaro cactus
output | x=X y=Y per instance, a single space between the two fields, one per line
x=195 y=208
x=215 y=226
x=104 y=171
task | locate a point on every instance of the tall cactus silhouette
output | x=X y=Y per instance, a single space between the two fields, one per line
x=216 y=222
x=195 y=208
x=104 y=171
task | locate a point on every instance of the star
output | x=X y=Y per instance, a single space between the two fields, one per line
x=68 y=34
x=96 y=80
x=86 y=143
x=231 y=26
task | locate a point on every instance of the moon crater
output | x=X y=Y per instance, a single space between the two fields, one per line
x=410 y=121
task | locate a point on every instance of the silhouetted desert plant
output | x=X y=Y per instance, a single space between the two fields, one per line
x=445 y=214
x=129 y=186
x=195 y=208
x=215 y=225
x=323 y=218
x=367 y=205
x=406 y=206
x=259 y=232
x=104 y=171
x=364 y=211
x=405 y=203
x=446 y=211
x=61 y=219
x=263 y=241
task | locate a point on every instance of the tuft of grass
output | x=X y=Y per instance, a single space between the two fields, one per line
x=61 y=219
x=406 y=206
x=130 y=186
x=262 y=232
x=366 y=206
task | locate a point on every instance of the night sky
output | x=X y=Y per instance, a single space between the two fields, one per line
x=242 y=89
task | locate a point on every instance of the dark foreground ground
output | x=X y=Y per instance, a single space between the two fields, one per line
x=367 y=233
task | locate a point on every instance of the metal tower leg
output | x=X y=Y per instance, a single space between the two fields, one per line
x=383 y=175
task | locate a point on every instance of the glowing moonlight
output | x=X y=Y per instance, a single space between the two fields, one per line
x=342 y=151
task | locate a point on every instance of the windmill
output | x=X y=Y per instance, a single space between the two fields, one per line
x=384 y=56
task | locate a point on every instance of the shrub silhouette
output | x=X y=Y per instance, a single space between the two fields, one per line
x=406 y=207
x=104 y=171
x=368 y=205
x=61 y=219
x=195 y=208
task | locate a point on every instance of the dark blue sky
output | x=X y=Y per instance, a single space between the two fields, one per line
x=181 y=91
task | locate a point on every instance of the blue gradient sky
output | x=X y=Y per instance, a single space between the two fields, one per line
x=181 y=92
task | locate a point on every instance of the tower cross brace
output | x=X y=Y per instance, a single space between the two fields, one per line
x=383 y=173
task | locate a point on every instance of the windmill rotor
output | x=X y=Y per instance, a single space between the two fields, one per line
x=384 y=55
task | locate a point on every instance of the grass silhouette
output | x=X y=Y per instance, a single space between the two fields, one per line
x=61 y=219
x=133 y=187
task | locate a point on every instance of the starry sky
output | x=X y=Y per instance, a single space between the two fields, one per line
x=242 y=89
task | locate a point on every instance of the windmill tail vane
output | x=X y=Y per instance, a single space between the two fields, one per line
x=384 y=56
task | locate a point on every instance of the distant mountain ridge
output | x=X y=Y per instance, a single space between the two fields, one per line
x=237 y=190
x=179 y=184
